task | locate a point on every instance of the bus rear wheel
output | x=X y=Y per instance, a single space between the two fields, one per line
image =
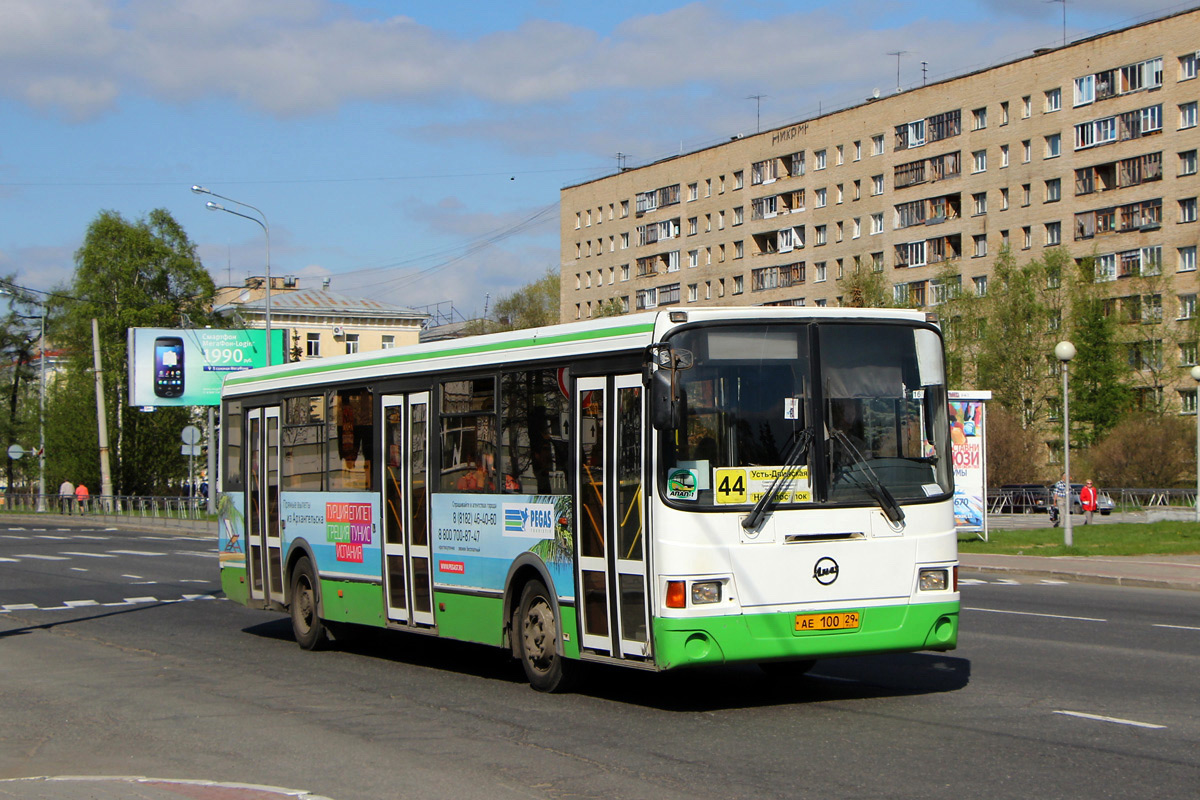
x=307 y=625
x=537 y=632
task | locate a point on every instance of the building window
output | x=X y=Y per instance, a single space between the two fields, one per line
x=1054 y=145
x=1187 y=258
x=1053 y=100
x=693 y=258
x=693 y=192
x=739 y=249
x=738 y=215
x=1027 y=233
x=877 y=262
x=979 y=161
x=820 y=198
x=980 y=202
x=1004 y=199
x=693 y=226
x=1003 y=156
x=389 y=341
x=1053 y=190
x=1026 y=151
x=1025 y=194
x=819 y=272
x=876 y=184
x=1187 y=398
x=876 y=223
x=819 y=159
x=1004 y=113
x=877 y=145
x=1187 y=66
x=1187 y=306
x=980 y=245
x=856 y=227
x=313 y=345
x=979 y=119
x=738 y=180
x=1187 y=162
x=1187 y=209
x=980 y=285
x=693 y=292
x=351 y=343
x=738 y=284
x=820 y=234
x=1187 y=115
x=840 y=155
x=1053 y=233
x=624 y=272
x=858 y=151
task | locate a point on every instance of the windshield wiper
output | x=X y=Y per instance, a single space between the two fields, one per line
x=770 y=497
x=874 y=487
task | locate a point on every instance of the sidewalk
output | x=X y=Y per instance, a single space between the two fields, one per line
x=1160 y=572
x=134 y=523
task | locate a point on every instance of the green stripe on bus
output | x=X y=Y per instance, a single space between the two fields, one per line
x=770 y=637
x=401 y=358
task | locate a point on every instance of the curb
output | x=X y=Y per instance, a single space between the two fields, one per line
x=1082 y=577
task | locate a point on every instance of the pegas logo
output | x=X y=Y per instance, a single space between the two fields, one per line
x=533 y=520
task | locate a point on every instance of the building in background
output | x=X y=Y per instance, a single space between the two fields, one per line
x=321 y=322
x=1092 y=146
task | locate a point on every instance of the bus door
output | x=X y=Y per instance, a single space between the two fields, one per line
x=408 y=588
x=264 y=550
x=612 y=576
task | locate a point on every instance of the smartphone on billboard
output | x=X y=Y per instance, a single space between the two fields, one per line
x=168 y=366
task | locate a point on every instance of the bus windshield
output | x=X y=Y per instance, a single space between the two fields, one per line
x=835 y=413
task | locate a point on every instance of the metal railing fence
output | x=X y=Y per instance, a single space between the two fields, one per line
x=180 y=510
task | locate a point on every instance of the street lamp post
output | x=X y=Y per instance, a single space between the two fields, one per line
x=1196 y=378
x=262 y=223
x=1064 y=351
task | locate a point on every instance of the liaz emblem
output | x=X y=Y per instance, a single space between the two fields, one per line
x=825 y=571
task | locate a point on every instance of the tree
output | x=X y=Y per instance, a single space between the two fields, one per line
x=18 y=345
x=531 y=306
x=1146 y=450
x=1015 y=452
x=128 y=275
x=866 y=288
x=1100 y=397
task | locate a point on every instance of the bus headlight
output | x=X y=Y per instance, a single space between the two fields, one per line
x=933 y=580
x=706 y=593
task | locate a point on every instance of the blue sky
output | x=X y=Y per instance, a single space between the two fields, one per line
x=414 y=151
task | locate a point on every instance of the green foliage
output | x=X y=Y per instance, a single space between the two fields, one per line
x=19 y=351
x=1100 y=396
x=1118 y=539
x=531 y=306
x=128 y=275
x=865 y=288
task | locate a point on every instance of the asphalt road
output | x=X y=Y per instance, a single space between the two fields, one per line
x=1057 y=690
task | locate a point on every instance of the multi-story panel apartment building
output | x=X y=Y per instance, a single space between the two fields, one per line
x=1092 y=146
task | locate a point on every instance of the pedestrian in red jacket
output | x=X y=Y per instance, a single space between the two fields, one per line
x=1087 y=499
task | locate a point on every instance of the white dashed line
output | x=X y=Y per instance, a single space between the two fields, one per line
x=89 y=555
x=41 y=557
x=1116 y=720
x=12 y=560
x=1178 y=627
x=1034 y=614
x=136 y=553
x=80 y=603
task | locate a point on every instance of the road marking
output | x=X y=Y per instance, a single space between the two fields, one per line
x=1049 y=582
x=1034 y=614
x=1178 y=627
x=80 y=603
x=141 y=599
x=136 y=553
x=13 y=560
x=19 y=607
x=89 y=555
x=204 y=554
x=41 y=557
x=193 y=580
x=94 y=538
x=49 y=536
x=1116 y=720
x=133 y=577
x=78 y=569
x=970 y=582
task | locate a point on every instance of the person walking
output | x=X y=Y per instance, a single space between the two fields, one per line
x=1062 y=498
x=1087 y=499
x=66 y=496
x=81 y=497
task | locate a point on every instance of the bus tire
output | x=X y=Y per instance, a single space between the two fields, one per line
x=537 y=632
x=307 y=625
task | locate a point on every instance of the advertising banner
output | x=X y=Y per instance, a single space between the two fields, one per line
x=342 y=528
x=476 y=537
x=186 y=367
x=968 y=423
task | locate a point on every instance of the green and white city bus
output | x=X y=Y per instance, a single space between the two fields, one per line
x=660 y=490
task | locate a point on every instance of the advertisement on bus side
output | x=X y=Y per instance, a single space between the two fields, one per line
x=476 y=538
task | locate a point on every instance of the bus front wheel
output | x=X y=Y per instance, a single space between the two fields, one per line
x=306 y=624
x=537 y=634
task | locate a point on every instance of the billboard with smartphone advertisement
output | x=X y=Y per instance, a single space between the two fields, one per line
x=186 y=367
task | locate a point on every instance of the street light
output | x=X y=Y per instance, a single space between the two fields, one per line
x=1196 y=378
x=262 y=223
x=41 y=504
x=1064 y=352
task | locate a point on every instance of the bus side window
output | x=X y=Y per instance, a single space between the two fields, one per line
x=533 y=432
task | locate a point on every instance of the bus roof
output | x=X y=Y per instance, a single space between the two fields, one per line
x=628 y=333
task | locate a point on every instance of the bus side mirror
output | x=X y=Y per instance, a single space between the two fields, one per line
x=664 y=405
